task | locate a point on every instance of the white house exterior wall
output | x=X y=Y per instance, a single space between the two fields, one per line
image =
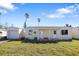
x=65 y=37
x=31 y=36
x=50 y=36
x=13 y=33
x=75 y=33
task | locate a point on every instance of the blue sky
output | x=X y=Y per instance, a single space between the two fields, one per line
x=51 y=14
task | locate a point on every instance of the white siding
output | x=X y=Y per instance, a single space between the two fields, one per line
x=50 y=34
x=13 y=33
x=75 y=33
x=65 y=37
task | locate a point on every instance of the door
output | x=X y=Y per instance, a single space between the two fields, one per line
x=13 y=35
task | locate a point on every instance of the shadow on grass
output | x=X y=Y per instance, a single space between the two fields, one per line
x=9 y=40
x=75 y=39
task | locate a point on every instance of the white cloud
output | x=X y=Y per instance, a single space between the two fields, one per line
x=5 y=7
x=62 y=12
x=55 y=15
x=3 y=11
x=8 y=6
x=77 y=15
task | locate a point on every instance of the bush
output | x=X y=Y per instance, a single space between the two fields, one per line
x=23 y=38
x=3 y=38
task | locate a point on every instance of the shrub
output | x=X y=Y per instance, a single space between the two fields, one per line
x=22 y=38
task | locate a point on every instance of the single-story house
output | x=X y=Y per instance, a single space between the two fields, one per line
x=51 y=33
x=42 y=32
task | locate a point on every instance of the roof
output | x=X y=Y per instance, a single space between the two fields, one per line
x=47 y=27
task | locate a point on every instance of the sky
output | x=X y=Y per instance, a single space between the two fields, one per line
x=50 y=14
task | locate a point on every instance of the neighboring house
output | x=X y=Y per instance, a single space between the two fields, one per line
x=13 y=33
x=3 y=32
x=75 y=32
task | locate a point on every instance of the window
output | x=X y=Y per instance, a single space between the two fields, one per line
x=54 y=32
x=30 y=30
x=64 y=32
x=34 y=32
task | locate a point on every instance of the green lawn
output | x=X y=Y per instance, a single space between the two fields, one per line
x=18 y=48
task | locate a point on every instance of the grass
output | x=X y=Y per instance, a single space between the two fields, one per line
x=18 y=48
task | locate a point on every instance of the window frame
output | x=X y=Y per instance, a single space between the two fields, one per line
x=54 y=31
x=30 y=30
x=64 y=32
